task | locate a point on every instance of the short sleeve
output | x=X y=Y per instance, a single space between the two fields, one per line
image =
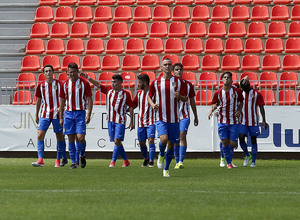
x=215 y=99
x=152 y=89
x=87 y=88
x=192 y=91
x=38 y=93
x=62 y=91
x=260 y=99
x=129 y=101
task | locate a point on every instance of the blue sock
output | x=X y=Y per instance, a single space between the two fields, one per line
x=72 y=151
x=182 y=153
x=231 y=152
x=83 y=146
x=78 y=150
x=144 y=152
x=226 y=152
x=245 y=148
x=169 y=157
x=151 y=152
x=221 y=150
x=122 y=152
x=162 y=150
x=59 y=146
x=115 y=153
x=176 y=153
x=64 y=152
x=254 y=152
x=40 y=148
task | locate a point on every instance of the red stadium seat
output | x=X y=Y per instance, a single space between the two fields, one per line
x=39 y=30
x=292 y=45
x=253 y=45
x=217 y=29
x=75 y=46
x=193 y=45
x=283 y=2
x=295 y=14
x=298 y=99
x=174 y=58
x=256 y=29
x=151 y=75
x=100 y=98
x=70 y=59
x=119 y=29
x=62 y=77
x=55 y=46
x=173 y=45
x=42 y=77
x=138 y=29
x=190 y=76
x=59 y=30
x=164 y=2
x=35 y=46
x=106 y=2
x=22 y=97
x=181 y=13
x=260 y=13
x=105 y=78
x=92 y=75
x=288 y=80
x=115 y=46
x=294 y=29
x=223 y=2
x=87 y=2
x=184 y=2
x=220 y=13
x=142 y=13
x=67 y=2
x=44 y=14
x=145 y=2
x=290 y=62
x=247 y=2
x=287 y=97
x=190 y=62
x=150 y=62
x=158 y=29
x=207 y=80
x=230 y=62
x=253 y=79
x=30 y=63
x=203 y=2
x=99 y=29
x=122 y=13
x=48 y=2
x=237 y=29
x=213 y=45
x=94 y=46
x=131 y=62
x=277 y=29
x=110 y=62
x=264 y=2
x=250 y=62
x=268 y=80
x=161 y=13
x=90 y=62
x=197 y=29
x=53 y=60
x=273 y=45
x=63 y=13
x=80 y=30
x=26 y=81
x=129 y=79
x=177 y=29
x=154 y=45
x=134 y=45
x=240 y=13
x=233 y=45
x=210 y=62
x=125 y=2
x=204 y=97
x=103 y=13
x=268 y=96
x=200 y=13
x=280 y=12
x=83 y=13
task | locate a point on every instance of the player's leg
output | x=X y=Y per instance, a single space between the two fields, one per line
x=151 y=136
x=184 y=126
x=64 y=160
x=222 y=160
x=80 y=146
x=176 y=154
x=162 y=131
x=58 y=130
x=242 y=138
x=70 y=131
x=223 y=131
x=142 y=136
x=254 y=132
x=111 y=133
x=72 y=150
x=119 y=137
x=234 y=135
x=80 y=130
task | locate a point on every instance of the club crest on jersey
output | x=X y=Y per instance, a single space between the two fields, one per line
x=233 y=96
x=174 y=84
x=79 y=86
x=55 y=87
x=120 y=96
x=251 y=95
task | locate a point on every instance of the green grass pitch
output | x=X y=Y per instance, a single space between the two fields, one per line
x=202 y=190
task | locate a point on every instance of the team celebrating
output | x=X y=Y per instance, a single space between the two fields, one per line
x=164 y=107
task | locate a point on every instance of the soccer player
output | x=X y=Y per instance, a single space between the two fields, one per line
x=146 y=127
x=76 y=96
x=117 y=102
x=47 y=106
x=250 y=120
x=167 y=91
x=184 y=116
x=230 y=100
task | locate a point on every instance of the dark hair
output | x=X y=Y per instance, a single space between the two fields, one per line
x=73 y=66
x=177 y=64
x=167 y=59
x=226 y=73
x=48 y=65
x=118 y=77
x=144 y=78
x=245 y=85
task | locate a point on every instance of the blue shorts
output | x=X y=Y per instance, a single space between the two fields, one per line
x=252 y=130
x=184 y=124
x=146 y=132
x=170 y=129
x=116 y=131
x=44 y=124
x=228 y=131
x=74 y=122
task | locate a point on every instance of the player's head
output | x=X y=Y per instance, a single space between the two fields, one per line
x=166 y=66
x=48 y=71
x=116 y=82
x=178 y=69
x=245 y=85
x=227 y=78
x=143 y=81
x=73 y=71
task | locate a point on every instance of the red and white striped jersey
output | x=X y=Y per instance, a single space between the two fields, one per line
x=146 y=113
x=252 y=100
x=116 y=104
x=228 y=104
x=184 y=108
x=49 y=93
x=163 y=91
x=75 y=94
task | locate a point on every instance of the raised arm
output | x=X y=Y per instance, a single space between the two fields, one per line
x=94 y=82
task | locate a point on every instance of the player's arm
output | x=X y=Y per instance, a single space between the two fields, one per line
x=263 y=115
x=61 y=111
x=131 y=124
x=37 y=109
x=239 y=110
x=94 y=82
x=212 y=109
x=153 y=105
x=180 y=97
x=194 y=109
x=90 y=108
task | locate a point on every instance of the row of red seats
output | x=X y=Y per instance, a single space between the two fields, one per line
x=163 y=13
x=151 y=62
x=156 y=45
x=161 y=29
